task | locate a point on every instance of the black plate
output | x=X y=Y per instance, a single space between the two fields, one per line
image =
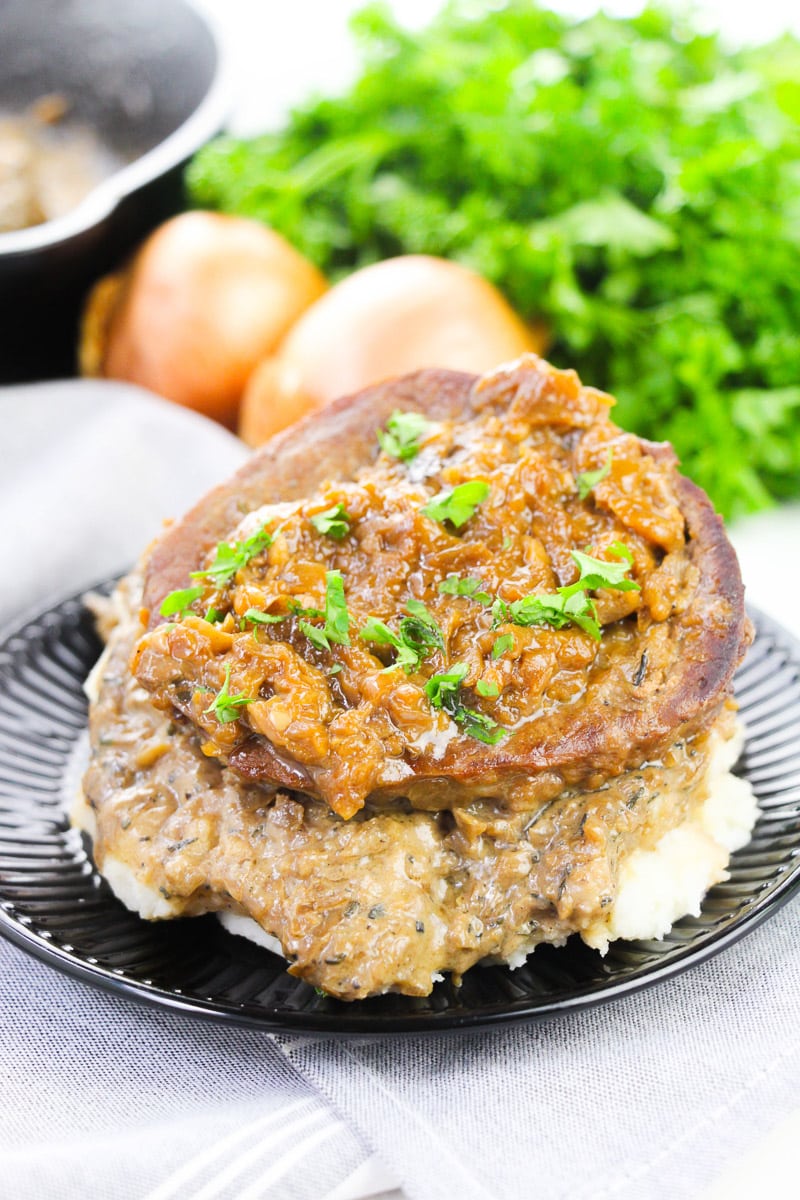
x=55 y=905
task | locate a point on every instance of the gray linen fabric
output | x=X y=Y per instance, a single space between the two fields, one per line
x=106 y=1099
x=649 y=1097
x=644 y=1099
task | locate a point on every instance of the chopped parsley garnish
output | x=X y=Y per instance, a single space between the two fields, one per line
x=417 y=635
x=459 y=505
x=296 y=608
x=225 y=707
x=571 y=605
x=229 y=558
x=597 y=573
x=443 y=692
x=503 y=643
x=257 y=617
x=589 y=479
x=621 y=551
x=470 y=587
x=334 y=522
x=400 y=438
x=420 y=628
x=378 y=631
x=337 y=618
x=180 y=602
x=554 y=609
x=478 y=725
x=486 y=689
x=315 y=634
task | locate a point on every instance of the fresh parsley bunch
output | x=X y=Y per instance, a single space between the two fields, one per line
x=627 y=180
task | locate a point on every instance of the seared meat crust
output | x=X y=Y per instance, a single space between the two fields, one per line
x=661 y=674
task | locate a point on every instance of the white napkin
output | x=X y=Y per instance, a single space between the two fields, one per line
x=648 y=1097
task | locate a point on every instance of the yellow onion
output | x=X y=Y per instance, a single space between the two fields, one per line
x=384 y=320
x=205 y=298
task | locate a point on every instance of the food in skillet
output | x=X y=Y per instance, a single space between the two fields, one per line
x=47 y=165
x=442 y=673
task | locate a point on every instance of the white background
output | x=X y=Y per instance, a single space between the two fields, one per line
x=283 y=49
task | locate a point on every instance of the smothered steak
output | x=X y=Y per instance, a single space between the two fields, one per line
x=444 y=672
x=442 y=589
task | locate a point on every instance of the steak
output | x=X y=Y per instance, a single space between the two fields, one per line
x=509 y=698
